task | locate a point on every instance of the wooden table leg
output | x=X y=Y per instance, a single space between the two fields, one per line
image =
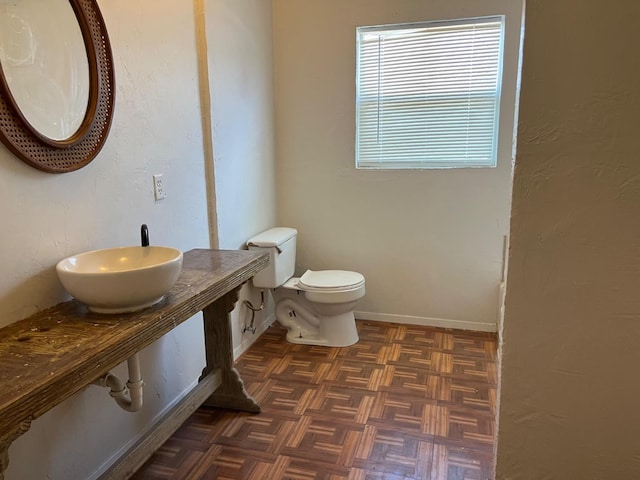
x=5 y=443
x=219 y=354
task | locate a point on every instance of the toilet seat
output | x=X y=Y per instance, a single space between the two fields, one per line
x=329 y=281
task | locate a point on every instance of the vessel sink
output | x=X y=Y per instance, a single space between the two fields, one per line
x=120 y=280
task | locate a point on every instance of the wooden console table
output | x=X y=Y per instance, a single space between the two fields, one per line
x=48 y=357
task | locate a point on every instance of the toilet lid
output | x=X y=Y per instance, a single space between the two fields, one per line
x=331 y=279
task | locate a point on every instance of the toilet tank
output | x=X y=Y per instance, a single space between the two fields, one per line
x=280 y=242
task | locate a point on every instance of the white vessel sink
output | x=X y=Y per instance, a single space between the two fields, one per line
x=120 y=280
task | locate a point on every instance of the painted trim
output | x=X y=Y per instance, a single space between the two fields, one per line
x=427 y=321
x=260 y=329
x=113 y=459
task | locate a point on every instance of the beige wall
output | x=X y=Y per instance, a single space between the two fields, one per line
x=570 y=388
x=240 y=77
x=429 y=242
x=156 y=129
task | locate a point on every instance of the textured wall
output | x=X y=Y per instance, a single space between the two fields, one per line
x=240 y=70
x=429 y=242
x=569 y=394
x=45 y=217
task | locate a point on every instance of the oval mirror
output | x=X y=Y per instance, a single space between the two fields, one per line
x=56 y=82
x=45 y=64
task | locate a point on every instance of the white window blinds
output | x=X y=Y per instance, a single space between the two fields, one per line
x=428 y=94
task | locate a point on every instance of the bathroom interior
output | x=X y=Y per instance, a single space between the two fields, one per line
x=249 y=119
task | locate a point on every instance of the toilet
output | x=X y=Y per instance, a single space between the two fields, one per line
x=315 y=308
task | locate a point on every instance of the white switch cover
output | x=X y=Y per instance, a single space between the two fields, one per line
x=158 y=187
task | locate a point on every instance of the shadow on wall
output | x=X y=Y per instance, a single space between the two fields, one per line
x=43 y=286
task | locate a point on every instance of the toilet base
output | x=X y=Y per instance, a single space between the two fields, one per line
x=307 y=328
x=336 y=331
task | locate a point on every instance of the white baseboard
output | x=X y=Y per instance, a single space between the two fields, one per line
x=260 y=328
x=124 y=448
x=249 y=338
x=246 y=343
x=427 y=321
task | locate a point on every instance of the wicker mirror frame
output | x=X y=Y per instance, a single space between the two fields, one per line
x=67 y=155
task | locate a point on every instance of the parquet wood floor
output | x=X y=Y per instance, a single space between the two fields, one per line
x=405 y=402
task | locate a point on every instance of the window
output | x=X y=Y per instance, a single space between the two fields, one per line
x=428 y=94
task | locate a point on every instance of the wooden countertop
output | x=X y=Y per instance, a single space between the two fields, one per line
x=46 y=358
